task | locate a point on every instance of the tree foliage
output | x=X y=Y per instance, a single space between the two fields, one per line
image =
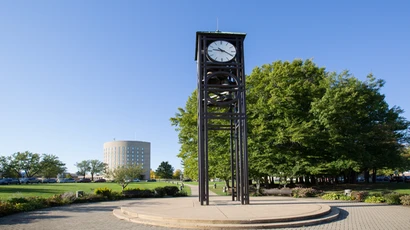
x=83 y=167
x=164 y=170
x=304 y=121
x=97 y=166
x=30 y=164
x=51 y=166
x=177 y=174
x=123 y=175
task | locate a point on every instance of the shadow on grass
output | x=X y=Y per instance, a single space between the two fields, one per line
x=8 y=190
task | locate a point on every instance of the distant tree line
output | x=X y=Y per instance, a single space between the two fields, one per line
x=305 y=123
x=30 y=164
x=91 y=166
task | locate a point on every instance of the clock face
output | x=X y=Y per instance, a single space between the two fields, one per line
x=221 y=51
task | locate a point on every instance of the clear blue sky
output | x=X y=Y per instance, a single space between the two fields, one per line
x=76 y=74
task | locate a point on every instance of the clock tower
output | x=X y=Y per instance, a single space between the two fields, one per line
x=222 y=106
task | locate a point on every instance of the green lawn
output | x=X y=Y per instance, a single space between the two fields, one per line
x=403 y=188
x=47 y=190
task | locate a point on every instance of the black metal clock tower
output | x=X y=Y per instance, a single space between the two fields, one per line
x=221 y=106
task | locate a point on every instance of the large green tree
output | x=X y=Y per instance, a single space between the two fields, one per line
x=164 y=170
x=96 y=166
x=7 y=169
x=30 y=164
x=360 y=126
x=281 y=141
x=83 y=167
x=26 y=162
x=51 y=166
x=304 y=121
x=185 y=121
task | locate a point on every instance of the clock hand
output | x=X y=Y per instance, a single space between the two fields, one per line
x=225 y=52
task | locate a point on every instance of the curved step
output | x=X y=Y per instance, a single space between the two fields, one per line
x=331 y=215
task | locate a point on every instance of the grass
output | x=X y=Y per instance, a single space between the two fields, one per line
x=402 y=188
x=48 y=190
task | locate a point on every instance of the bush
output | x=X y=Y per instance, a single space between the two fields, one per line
x=330 y=196
x=68 y=197
x=344 y=197
x=37 y=202
x=305 y=192
x=6 y=208
x=90 y=198
x=18 y=200
x=181 y=193
x=359 y=196
x=405 y=200
x=106 y=192
x=116 y=195
x=159 y=192
x=138 y=193
x=55 y=200
x=374 y=199
x=171 y=190
x=392 y=198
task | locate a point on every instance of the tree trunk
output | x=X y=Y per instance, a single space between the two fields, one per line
x=366 y=176
x=374 y=175
x=258 y=187
x=313 y=180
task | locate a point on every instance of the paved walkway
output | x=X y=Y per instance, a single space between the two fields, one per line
x=98 y=216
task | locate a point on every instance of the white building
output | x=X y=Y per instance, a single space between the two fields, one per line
x=119 y=153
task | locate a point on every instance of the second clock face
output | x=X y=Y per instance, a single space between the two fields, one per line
x=221 y=51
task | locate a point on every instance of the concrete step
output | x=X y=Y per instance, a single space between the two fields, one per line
x=325 y=216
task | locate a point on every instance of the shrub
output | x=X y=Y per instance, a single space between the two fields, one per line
x=392 y=198
x=374 y=199
x=55 y=200
x=305 y=192
x=90 y=198
x=159 y=192
x=23 y=207
x=181 y=193
x=344 y=197
x=377 y=194
x=138 y=193
x=6 y=208
x=106 y=192
x=405 y=200
x=37 y=202
x=116 y=195
x=360 y=196
x=18 y=200
x=171 y=190
x=330 y=196
x=68 y=197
